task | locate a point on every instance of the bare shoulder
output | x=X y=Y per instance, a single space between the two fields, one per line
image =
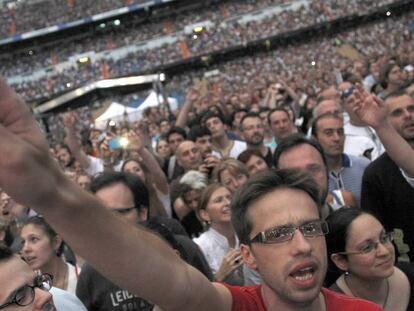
x=400 y=291
x=399 y=278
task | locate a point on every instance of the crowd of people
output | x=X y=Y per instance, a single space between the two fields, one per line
x=24 y=16
x=285 y=181
x=135 y=34
x=199 y=203
x=223 y=35
x=247 y=78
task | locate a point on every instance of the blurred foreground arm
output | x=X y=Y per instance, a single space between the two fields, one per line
x=131 y=257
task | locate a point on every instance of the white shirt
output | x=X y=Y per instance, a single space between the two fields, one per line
x=214 y=247
x=359 y=139
x=238 y=147
x=73 y=275
x=96 y=165
x=65 y=301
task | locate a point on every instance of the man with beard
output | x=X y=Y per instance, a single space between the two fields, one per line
x=386 y=190
x=252 y=128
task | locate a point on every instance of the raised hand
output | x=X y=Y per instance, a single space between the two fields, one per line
x=231 y=261
x=192 y=96
x=369 y=108
x=27 y=171
x=135 y=141
x=69 y=120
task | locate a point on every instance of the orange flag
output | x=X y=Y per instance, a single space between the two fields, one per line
x=105 y=70
x=185 y=52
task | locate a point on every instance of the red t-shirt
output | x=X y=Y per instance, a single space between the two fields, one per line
x=249 y=298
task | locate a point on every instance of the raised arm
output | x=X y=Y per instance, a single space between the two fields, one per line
x=374 y=112
x=191 y=98
x=73 y=141
x=158 y=176
x=132 y=257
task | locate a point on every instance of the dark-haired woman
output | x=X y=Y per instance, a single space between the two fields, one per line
x=361 y=249
x=42 y=249
x=146 y=167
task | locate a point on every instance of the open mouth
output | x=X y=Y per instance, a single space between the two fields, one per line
x=304 y=276
x=226 y=211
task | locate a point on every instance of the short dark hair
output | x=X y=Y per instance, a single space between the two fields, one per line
x=137 y=187
x=233 y=115
x=351 y=78
x=264 y=109
x=176 y=130
x=163 y=120
x=154 y=224
x=249 y=115
x=398 y=93
x=293 y=141
x=323 y=116
x=262 y=184
x=274 y=110
x=211 y=114
x=198 y=131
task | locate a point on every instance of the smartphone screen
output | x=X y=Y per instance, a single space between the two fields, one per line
x=118 y=142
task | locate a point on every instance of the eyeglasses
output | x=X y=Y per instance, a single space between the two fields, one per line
x=385 y=238
x=25 y=295
x=282 y=234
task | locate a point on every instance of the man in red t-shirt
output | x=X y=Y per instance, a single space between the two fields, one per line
x=275 y=216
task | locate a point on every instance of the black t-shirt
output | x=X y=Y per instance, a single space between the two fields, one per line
x=99 y=294
x=387 y=195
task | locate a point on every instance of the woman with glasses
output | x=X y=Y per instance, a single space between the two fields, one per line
x=219 y=243
x=42 y=249
x=360 y=248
